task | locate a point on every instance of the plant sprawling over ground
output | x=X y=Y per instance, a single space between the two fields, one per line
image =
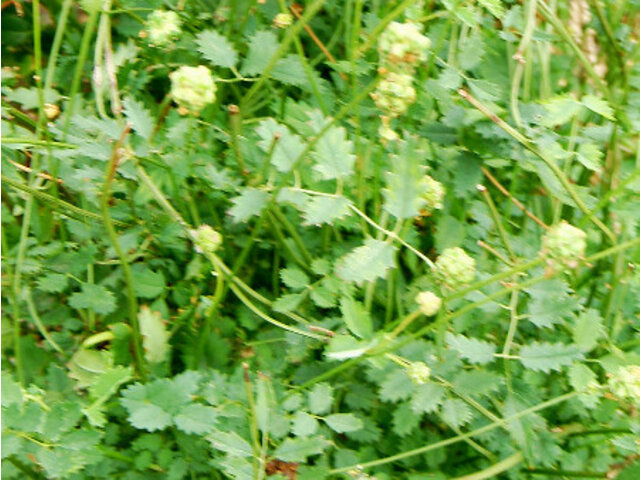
x=344 y=239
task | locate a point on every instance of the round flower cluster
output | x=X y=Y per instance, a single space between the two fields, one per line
x=206 y=239
x=564 y=244
x=192 y=88
x=455 y=267
x=282 y=20
x=402 y=47
x=163 y=26
x=395 y=93
x=434 y=193
x=429 y=303
x=418 y=372
x=625 y=383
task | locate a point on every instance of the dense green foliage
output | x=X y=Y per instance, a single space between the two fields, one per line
x=354 y=240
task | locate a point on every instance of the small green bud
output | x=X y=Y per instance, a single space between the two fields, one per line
x=418 y=372
x=193 y=88
x=163 y=26
x=282 y=20
x=206 y=239
x=402 y=47
x=429 y=303
x=394 y=93
x=455 y=268
x=565 y=244
x=434 y=193
x=625 y=383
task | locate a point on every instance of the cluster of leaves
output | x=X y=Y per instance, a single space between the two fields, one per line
x=285 y=353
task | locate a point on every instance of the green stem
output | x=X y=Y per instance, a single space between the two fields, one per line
x=293 y=31
x=215 y=307
x=77 y=75
x=39 y=325
x=458 y=438
x=494 y=470
x=549 y=162
x=57 y=42
x=132 y=300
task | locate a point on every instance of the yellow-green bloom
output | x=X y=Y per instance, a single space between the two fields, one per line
x=625 y=383
x=193 y=88
x=282 y=20
x=429 y=303
x=565 y=244
x=162 y=26
x=394 y=93
x=455 y=267
x=402 y=47
x=206 y=239
x=418 y=372
x=434 y=193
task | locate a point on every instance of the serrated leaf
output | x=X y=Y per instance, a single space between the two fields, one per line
x=262 y=46
x=287 y=147
x=304 y=424
x=356 y=317
x=102 y=388
x=138 y=116
x=455 y=412
x=143 y=414
x=95 y=297
x=320 y=209
x=474 y=350
x=53 y=282
x=11 y=391
x=495 y=7
x=550 y=303
x=196 y=419
x=406 y=185
x=294 y=278
x=290 y=71
x=599 y=106
x=289 y=302
x=405 y=419
x=427 y=397
x=590 y=156
x=108 y=382
x=322 y=296
x=560 y=110
x=396 y=386
x=581 y=377
x=545 y=357
x=146 y=282
x=155 y=337
x=298 y=449
x=366 y=263
x=320 y=398
x=343 y=422
x=217 y=49
x=250 y=203
x=587 y=330
x=333 y=154
x=230 y=443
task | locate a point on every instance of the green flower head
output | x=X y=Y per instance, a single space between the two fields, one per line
x=455 y=267
x=429 y=303
x=402 y=47
x=193 y=88
x=564 y=244
x=206 y=239
x=394 y=94
x=163 y=27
